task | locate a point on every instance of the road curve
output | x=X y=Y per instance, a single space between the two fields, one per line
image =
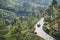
x=40 y=32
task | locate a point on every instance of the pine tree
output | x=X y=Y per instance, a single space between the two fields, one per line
x=54 y=2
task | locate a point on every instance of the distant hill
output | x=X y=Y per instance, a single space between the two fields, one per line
x=24 y=7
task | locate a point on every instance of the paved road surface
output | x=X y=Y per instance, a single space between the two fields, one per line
x=40 y=32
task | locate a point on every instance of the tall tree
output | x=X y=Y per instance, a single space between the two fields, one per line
x=54 y=2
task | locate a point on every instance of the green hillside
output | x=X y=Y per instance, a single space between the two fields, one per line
x=52 y=20
x=17 y=28
x=18 y=18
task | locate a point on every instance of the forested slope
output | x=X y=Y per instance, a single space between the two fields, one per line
x=22 y=27
x=17 y=28
x=52 y=20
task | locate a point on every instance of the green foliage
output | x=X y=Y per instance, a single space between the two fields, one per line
x=52 y=21
x=17 y=28
x=22 y=27
x=23 y=7
x=54 y=2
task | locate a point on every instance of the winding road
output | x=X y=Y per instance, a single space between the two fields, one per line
x=40 y=32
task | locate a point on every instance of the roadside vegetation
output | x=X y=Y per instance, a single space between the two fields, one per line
x=52 y=20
